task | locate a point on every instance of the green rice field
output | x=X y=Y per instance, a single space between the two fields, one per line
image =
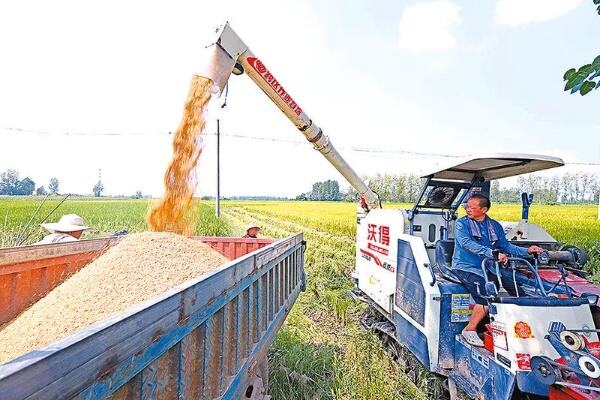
x=321 y=352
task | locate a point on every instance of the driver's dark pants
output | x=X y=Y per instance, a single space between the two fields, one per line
x=472 y=281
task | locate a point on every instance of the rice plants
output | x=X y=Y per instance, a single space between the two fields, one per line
x=321 y=352
x=104 y=216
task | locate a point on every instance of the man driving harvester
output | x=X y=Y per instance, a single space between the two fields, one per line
x=476 y=236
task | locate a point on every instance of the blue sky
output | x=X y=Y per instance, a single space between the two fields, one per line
x=502 y=82
x=441 y=76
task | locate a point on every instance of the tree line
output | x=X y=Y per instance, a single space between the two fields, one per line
x=328 y=190
x=12 y=185
x=568 y=188
x=397 y=188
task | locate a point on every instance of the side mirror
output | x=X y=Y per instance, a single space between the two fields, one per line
x=490 y=289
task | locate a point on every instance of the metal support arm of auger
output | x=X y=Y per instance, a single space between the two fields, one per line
x=230 y=54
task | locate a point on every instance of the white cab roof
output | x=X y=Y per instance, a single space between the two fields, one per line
x=495 y=166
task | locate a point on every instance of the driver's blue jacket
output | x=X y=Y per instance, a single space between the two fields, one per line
x=469 y=251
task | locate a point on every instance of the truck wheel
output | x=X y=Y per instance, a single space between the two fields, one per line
x=258 y=382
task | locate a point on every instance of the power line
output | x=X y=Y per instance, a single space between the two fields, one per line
x=232 y=135
x=75 y=133
x=583 y=163
x=415 y=154
x=352 y=148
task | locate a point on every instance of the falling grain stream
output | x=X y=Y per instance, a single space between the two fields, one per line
x=175 y=211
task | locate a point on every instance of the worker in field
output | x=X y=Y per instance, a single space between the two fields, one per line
x=252 y=231
x=69 y=228
x=475 y=236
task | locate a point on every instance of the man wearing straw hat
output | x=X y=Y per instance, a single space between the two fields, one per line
x=68 y=229
x=252 y=231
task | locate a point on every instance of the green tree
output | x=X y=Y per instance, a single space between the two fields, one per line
x=328 y=190
x=53 y=186
x=333 y=190
x=25 y=187
x=41 y=191
x=302 y=197
x=9 y=181
x=98 y=189
x=587 y=77
x=350 y=194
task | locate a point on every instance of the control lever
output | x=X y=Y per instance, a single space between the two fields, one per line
x=502 y=292
x=543 y=258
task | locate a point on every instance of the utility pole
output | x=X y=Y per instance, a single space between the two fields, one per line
x=218 y=202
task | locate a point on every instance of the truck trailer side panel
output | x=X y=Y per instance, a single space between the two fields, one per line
x=203 y=339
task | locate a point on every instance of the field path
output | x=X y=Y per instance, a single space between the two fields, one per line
x=321 y=351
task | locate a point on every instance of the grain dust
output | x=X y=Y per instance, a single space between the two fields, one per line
x=140 y=267
x=175 y=212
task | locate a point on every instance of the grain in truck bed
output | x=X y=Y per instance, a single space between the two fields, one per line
x=206 y=338
x=141 y=266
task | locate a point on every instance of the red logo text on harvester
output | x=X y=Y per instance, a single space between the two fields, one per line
x=276 y=86
x=379 y=234
x=378 y=237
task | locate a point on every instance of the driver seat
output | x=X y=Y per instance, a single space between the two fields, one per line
x=444 y=249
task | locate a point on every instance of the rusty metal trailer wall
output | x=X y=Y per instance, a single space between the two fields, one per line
x=29 y=273
x=201 y=340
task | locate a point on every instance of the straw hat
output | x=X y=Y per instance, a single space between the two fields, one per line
x=67 y=223
x=252 y=225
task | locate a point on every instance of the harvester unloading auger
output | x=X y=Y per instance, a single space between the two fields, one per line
x=544 y=343
x=230 y=54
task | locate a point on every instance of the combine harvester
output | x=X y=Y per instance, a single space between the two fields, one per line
x=209 y=338
x=544 y=344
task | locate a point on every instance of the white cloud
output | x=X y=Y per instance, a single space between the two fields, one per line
x=519 y=12
x=428 y=26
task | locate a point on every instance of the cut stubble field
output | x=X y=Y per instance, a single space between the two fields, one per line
x=321 y=351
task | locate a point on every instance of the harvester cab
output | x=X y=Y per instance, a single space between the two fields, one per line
x=541 y=343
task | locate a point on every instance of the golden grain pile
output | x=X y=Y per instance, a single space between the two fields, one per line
x=140 y=267
x=174 y=212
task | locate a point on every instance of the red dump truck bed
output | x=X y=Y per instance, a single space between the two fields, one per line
x=206 y=338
